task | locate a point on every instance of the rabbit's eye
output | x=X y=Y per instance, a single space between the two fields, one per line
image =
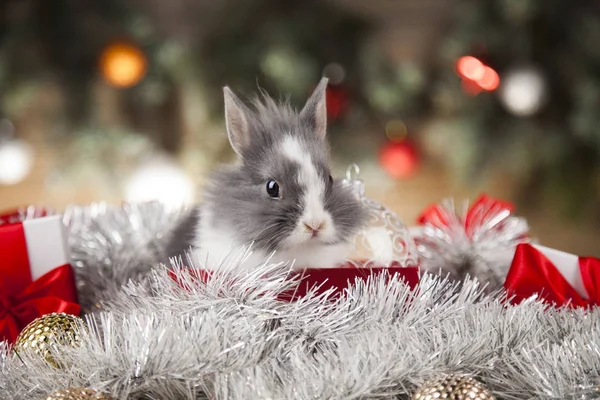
x=273 y=189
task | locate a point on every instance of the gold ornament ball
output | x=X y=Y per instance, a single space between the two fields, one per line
x=78 y=393
x=123 y=65
x=453 y=387
x=40 y=332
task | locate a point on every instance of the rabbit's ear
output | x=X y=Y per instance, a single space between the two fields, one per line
x=236 y=121
x=314 y=112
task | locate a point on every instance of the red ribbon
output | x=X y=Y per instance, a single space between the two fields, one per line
x=531 y=273
x=482 y=209
x=322 y=279
x=21 y=300
x=52 y=292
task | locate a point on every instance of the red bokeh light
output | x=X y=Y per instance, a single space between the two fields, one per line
x=336 y=100
x=470 y=68
x=476 y=76
x=490 y=80
x=399 y=160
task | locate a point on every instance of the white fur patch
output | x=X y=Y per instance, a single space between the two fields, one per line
x=312 y=202
x=216 y=245
x=213 y=244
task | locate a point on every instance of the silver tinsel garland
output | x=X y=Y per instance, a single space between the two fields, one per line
x=111 y=245
x=166 y=335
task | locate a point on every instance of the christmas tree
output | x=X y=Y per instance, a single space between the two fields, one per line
x=515 y=90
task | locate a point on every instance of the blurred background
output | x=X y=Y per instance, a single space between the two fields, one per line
x=121 y=100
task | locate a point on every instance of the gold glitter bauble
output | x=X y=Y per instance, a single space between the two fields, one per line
x=453 y=387
x=78 y=393
x=40 y=332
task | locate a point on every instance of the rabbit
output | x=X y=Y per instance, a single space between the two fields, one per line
x=280 y=197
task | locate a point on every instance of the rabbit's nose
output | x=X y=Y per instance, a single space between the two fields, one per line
x=313 y=227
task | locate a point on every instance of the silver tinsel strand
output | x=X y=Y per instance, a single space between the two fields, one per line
x=111 y=245
x=166 y=335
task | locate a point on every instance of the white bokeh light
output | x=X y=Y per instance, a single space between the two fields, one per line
x=160 y=179
x=523 y=91
x=16 y=159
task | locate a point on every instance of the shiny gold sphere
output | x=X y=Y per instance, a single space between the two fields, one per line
x=78 y=393
x=453 y=387
x=40 y=333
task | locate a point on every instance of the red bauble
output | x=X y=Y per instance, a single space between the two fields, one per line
x=337 y=101
x=399 y=160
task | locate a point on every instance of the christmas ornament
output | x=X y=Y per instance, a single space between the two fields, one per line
x=385 y=241
x=478 y=241
x=336 y=98
x=399 y=160
x=523 y=91
x=123 y=65
x=78 y=393
x=41 y=332
x=453 y=387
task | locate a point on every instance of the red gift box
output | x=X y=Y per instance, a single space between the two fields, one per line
x=35 y=275
x=323 y=279
x=20 y=214
x=340 y=278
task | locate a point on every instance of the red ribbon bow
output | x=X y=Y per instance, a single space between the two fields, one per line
x=52 y=292
x=21 y=300
x=484 y=208
x=531 y=273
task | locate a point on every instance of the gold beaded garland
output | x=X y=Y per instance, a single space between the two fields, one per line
x=453 y=387
x=40 y=332
x=78 y=393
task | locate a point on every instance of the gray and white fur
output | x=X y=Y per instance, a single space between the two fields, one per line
x=312 y=220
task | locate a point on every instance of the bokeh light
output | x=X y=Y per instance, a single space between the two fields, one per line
x=16 y=159
x=523 y=91
x=396 y=130
x=335 y=73
x=490 y=80
x=160 y=179
x=470 y=68
x=123 y=65
x=399 y=160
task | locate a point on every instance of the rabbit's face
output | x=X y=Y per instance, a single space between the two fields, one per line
x=281 y=194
